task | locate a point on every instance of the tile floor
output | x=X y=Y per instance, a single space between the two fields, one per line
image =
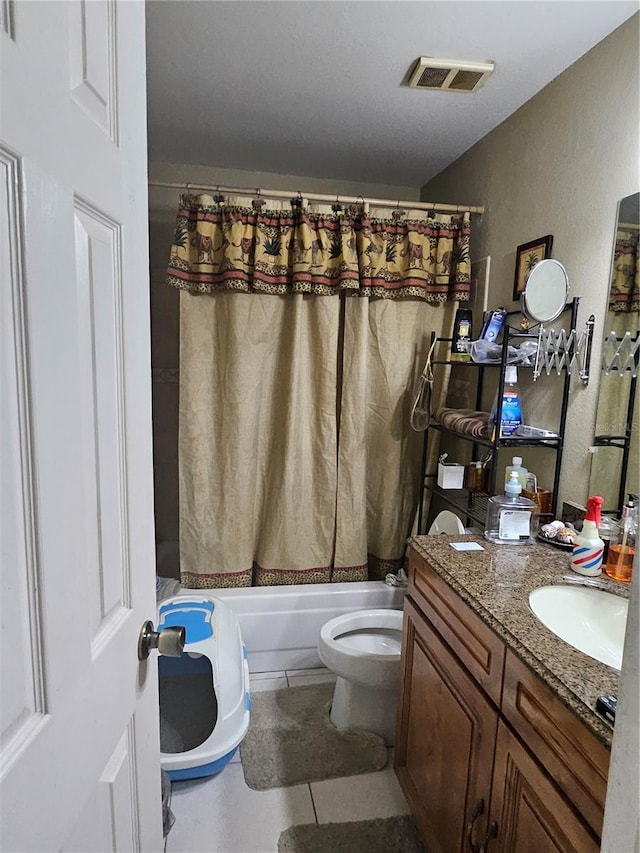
x=222 y=814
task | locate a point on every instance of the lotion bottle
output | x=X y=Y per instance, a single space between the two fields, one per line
x=588 y=548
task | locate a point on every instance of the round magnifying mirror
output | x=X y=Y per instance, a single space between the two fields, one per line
x=546 y=291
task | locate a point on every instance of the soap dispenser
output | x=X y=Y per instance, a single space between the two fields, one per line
x=622 y=549
x=509 y=516
x=588 y=548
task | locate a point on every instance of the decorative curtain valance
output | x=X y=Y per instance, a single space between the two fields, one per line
x=224 y=248
x=624 y=296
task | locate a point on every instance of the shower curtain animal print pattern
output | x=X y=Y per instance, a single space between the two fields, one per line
x=280 y=252
x=297 y=462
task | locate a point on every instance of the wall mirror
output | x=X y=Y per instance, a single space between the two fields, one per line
x=546 y=292
x=615 y=468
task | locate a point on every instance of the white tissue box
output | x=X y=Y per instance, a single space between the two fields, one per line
x=450 y=475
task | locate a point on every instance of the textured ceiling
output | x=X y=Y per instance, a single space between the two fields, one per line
x=315 y=88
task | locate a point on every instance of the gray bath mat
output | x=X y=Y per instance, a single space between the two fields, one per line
x=383 y=835
x=291 y=740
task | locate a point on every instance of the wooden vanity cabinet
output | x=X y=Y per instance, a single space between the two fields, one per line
x=529 y=813
x=488 y=758
x=446 y=741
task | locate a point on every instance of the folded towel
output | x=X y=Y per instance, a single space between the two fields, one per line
x=466 y=421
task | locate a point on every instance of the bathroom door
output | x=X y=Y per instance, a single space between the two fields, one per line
x=79 y=754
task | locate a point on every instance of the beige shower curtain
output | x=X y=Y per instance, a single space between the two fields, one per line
x=379 y=454
x=268 y=493
x=296 y=457
x=257 y=442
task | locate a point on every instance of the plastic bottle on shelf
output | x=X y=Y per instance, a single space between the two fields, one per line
x=461 y=335
x=511 y=418
x=516 y=465
x=622 y=546
x=510 y=516
x=493 y=325
x=588 y=548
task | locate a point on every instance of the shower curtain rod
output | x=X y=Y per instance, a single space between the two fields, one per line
x=375 y=202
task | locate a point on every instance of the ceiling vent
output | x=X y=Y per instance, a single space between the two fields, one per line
x=454 y=74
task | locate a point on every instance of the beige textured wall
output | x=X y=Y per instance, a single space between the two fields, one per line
x=558 y=166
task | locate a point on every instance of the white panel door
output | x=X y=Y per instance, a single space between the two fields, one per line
x=79 y=744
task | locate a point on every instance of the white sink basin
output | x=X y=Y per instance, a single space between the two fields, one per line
x=590 y=620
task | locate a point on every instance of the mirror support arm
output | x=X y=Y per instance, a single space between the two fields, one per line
x=586 y=359
x=564 y=350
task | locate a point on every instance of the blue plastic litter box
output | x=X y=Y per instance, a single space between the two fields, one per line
x=204 y=694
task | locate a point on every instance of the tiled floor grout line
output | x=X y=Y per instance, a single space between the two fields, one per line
x=313 y=803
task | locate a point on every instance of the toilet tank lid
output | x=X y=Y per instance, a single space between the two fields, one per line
x=192 y=613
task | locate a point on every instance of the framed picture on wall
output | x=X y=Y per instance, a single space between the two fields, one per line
x=527 y=256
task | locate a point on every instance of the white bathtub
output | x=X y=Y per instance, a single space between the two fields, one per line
x=281 y=625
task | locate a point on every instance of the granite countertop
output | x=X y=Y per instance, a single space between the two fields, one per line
x=496 y=584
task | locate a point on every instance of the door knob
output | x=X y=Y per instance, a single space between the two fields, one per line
x=169 y=641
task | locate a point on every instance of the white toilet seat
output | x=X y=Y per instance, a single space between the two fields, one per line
x=361 y=620
x=363 y=646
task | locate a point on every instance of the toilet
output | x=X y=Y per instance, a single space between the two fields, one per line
x=363 y=649
x=446 y=522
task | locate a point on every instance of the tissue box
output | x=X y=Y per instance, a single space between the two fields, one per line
x=450 y=475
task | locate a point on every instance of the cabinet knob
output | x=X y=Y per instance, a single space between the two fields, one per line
x=475 y=814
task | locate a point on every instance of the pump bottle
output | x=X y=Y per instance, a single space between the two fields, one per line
x=588 y=548
x=623 y=546
x=510 y=516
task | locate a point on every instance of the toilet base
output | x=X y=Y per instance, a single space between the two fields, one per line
x=369 y=708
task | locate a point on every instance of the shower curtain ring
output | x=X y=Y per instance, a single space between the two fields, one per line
x=398 y=213
x=363 y=204
x=258 y=202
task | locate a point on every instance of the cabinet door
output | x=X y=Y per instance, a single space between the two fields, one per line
x=529 y=812
x=577 y=762
x=445 y=742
